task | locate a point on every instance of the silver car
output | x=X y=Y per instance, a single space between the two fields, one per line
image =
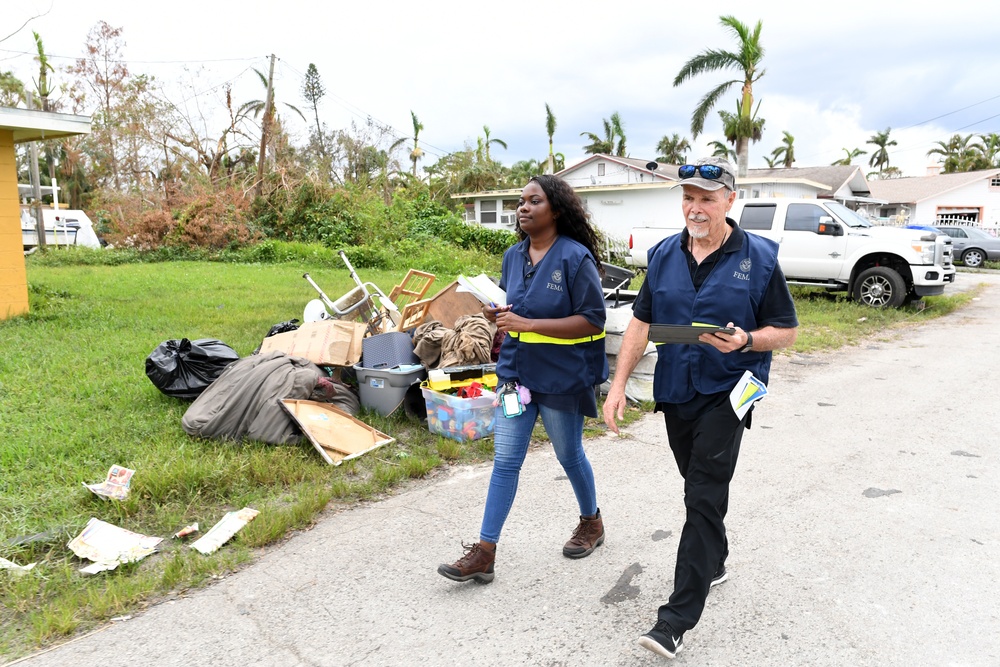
x=972 y=245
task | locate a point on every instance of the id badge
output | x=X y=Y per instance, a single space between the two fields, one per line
x=510 y=401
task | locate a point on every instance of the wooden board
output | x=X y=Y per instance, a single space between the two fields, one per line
x=448 y=305
x=336 y=435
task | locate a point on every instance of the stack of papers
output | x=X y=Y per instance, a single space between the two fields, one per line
x=483 y=289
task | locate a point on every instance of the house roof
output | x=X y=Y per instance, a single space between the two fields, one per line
x=631 y=163
x=35 y=125
x=580 y=189
x=834 y=176
x=913 y=190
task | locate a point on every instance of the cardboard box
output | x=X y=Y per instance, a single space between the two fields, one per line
x=325 y=343
x=459 y=418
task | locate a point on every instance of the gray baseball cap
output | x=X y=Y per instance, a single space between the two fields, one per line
x=692 y=174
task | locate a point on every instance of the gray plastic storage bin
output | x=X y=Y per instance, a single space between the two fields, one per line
x=388 y=350
x=383 y=390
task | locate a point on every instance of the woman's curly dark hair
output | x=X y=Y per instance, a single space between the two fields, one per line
x=572 y=219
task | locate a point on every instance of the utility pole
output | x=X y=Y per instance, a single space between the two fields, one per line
x=265 y=126
x=36 y=183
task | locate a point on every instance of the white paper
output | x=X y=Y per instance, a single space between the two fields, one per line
x=224 y=530
x=108 y=545
x=747 y=391
x=484 y=289
x=14 y=567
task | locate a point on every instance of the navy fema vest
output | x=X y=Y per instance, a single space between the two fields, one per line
x=543 y=364
x=731 y=293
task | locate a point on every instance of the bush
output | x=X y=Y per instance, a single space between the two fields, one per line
x=213 y=219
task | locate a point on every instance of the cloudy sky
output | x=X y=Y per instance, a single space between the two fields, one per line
x=835 y=73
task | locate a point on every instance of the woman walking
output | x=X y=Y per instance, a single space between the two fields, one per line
x=551 y=361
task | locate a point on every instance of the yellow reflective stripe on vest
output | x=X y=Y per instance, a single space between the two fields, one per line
x=528 y=337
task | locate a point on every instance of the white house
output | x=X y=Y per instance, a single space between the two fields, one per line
x=844 y=183
x=973 y=197
x=622 y=193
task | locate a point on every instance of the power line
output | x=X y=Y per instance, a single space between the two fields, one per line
x=364 y=115
x=954 y=112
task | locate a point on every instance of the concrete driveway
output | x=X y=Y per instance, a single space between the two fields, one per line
x=864 y=530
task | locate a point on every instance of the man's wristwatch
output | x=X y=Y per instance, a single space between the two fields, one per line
x=749 y=346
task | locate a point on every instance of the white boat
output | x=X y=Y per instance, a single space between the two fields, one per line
x=63 y=227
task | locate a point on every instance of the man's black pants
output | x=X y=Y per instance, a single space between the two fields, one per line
x=705 y=446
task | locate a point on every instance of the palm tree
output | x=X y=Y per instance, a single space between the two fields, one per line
x=785 y=153
x=848 y=157
x=772 y=162
x=988 y=146
x=550 y=129
x=416 y=153
x=522 y=170
x=880 y=158
x=604 y=146
x=672 y=149
x=747 y=60
x=619 y=127
x=613 y=129
x=499 y=142
x=956 y=154
x=736 y=128
x=258 y=106
x=719 y=149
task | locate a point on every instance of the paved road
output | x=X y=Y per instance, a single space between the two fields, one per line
x=864 y=529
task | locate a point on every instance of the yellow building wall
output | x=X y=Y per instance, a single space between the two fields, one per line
x=13 y=275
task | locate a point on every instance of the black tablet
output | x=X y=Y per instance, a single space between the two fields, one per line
x=685 y=334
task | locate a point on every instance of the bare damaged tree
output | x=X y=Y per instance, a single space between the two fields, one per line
x=103 y=71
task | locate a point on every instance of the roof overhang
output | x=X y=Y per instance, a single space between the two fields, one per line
x=34 y=125
x=864 y=200
x=579 y=189
x=791 y=181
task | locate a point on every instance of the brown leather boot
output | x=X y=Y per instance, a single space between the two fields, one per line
x=477 y=563
x=589 y=535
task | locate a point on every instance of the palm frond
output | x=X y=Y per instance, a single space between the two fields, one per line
x=705 y=106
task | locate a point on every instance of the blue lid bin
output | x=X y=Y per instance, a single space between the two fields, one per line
x=457 y=418
x=383 y=390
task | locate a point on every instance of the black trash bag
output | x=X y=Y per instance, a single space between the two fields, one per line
x=184 y=368
x=280 y=327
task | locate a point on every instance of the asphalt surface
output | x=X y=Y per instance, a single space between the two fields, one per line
x=863 y=528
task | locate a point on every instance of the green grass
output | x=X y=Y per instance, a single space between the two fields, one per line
x=829 y=320
x=74 y=400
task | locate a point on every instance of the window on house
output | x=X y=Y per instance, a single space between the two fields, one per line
x=888 y=212
x=488 y=211
x=600 y=168
x=995 y=182
x=758 y=217
x=755 y=194
x=803 y=218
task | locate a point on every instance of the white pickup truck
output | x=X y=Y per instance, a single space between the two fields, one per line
x=825 y=244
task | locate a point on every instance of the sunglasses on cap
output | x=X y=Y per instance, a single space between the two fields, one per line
x=710 y=171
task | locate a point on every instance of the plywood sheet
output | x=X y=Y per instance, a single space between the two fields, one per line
x=336 y=435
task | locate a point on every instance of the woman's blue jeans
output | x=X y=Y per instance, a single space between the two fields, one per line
x=511 y=437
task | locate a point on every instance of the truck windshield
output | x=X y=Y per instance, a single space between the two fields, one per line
x=847 y=216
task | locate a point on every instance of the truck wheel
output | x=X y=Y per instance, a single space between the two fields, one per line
x=880 y=287
x=973 y=257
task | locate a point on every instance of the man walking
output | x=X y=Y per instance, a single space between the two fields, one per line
x=711 y=273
